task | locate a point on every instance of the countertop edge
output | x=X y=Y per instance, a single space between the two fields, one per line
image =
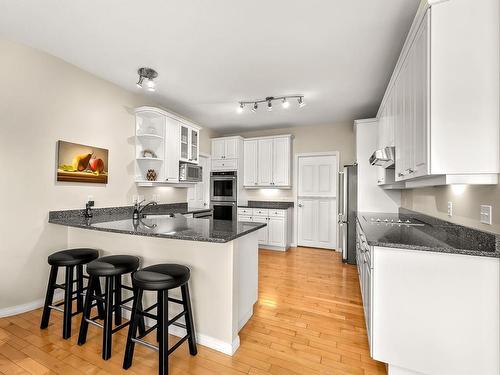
x=165 y=236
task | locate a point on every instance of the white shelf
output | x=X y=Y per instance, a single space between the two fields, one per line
x=149 y=159
x=154 y=136
x=146 y=183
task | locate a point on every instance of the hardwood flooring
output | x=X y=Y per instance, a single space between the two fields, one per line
x=308 y=320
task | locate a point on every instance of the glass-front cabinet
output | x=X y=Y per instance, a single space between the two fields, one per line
x=189 y=144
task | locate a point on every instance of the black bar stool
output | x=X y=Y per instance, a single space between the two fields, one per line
x=160 y=278
x=112 y=268
x=69 y=259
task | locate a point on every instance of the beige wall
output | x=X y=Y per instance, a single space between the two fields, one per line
x=466 y=201
x=337 y=137
x=51 y=100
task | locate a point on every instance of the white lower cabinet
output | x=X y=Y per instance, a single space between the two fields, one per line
x=277 y=234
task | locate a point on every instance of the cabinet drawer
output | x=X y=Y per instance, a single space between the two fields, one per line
x=244 y=218
x=224 y=164
x=245 y=211
x=277 y=213
x=260 y=212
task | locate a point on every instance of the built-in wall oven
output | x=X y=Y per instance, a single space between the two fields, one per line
x=223 y=195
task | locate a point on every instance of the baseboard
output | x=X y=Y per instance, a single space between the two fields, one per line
x=245 y=319
x=201 y=339
x=25 y=307
x=275 y=248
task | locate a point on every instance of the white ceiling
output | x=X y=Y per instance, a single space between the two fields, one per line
x=211 y=54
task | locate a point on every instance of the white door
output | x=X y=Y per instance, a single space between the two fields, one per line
x=281 y=162
x=250 y=163
x=218 y=148
x=263 y=232
x=231 y=148
x=264 y=164
x=198 y=195
x=317 y=201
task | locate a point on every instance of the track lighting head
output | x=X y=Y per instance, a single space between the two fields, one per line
x=285 y=103
x=269 y=105
x=240 y=108
x=255 y=106
x=150 y=75
x=301 y=102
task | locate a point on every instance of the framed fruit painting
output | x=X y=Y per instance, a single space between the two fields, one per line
x=81 y=163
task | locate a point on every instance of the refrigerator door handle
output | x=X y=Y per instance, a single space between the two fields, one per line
x=341 y=195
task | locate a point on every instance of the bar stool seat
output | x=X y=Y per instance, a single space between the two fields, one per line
x=72 y=257
x=162 y=276
x=113 y=265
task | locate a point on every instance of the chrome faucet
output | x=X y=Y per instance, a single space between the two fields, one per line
x=138 y=208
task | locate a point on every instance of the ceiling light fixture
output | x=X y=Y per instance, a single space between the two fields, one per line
x=150 y=75
x=285 y=102
x=240 y=108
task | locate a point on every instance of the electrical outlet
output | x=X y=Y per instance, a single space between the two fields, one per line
x=485 y=214
x=450 y=209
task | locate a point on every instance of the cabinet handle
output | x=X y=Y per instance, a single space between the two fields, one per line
x=410 y=170
x=300 y=205
x=400 y=174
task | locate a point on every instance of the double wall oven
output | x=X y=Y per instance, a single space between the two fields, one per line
x=223 y=195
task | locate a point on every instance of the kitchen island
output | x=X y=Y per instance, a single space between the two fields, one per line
x=222 y=256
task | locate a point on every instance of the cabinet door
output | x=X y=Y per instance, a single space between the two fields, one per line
x=277 y=231
x=263 y=232
x=172 y=150
x=218 y=148
x=194 y=148
x=264 y=162
x=281 y=162
x=184 y=142
x=421 y=84
x=231 y=148
x=250 y=163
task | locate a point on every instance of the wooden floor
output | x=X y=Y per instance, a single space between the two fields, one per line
x=308 y=320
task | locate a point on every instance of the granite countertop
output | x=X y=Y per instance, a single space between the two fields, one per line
x=268 y=204
x=431 y=235
x=158 y=223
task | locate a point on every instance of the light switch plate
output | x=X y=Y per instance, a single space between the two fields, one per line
x=450 y=209
x=485 y=214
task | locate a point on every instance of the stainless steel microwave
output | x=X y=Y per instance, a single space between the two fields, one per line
x=190 y=172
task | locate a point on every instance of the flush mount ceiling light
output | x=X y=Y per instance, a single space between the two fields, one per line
x=148 y=74
x=254 y=104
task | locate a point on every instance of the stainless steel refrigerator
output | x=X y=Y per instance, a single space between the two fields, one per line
x=348 y=207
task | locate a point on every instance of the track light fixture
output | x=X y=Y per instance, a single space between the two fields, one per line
x=254 y=105
x=150 y=75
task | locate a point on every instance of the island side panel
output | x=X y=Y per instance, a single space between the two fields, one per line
x=436 y=313
x=210 y=285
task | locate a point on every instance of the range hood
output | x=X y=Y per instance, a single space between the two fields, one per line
x=383 y=157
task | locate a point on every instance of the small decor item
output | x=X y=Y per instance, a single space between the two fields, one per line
x=151 y=175
x=149 y=154
x=81 y=163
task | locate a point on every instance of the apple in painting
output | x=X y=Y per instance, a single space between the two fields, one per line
x=97 y=165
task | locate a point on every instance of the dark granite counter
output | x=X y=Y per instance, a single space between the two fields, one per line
x=268 y=204
x=430 y=234
x=158 y=223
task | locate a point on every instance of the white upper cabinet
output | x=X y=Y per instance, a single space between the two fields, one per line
x=189 y=143
x=268 y=162
x=441 y=105
x=226 y=153
x=265 y=162
x=250 y=163
x=162 y=141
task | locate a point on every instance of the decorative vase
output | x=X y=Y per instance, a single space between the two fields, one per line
x=151 y=175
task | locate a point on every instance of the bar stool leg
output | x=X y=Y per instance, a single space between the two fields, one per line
x=163 y=332
x=118 y=299
x=68 y=295
x=49 y=297
x=135 y=320
x=186 y=299
x=100 y=304
x=79 y=288
x=108 y=319
x=84 y=325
